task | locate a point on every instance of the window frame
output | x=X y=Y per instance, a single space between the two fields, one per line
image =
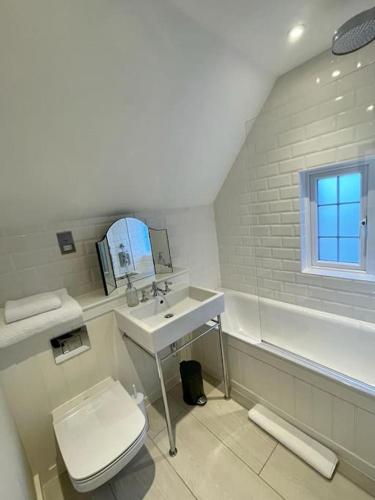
x=310 y=264
x=315 y=262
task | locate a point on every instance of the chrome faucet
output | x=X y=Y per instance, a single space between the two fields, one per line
x=144 y=296
x=156 y=290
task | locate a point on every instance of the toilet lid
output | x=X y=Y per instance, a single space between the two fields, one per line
x=97 y=429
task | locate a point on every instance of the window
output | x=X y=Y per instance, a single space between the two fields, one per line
x=336 y=228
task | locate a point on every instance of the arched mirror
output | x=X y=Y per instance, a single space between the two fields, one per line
x=130 y=248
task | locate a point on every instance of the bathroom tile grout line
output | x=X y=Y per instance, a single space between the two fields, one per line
x=231 y=450
x=241 y=459
x=165 y=426
x=266 y=462
x=175 y=471
x=114 y=496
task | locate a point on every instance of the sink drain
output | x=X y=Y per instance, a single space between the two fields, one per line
x=170 y=315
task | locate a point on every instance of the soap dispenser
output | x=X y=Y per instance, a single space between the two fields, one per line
x=131 y=294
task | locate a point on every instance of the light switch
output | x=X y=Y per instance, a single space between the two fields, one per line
x=66 y=242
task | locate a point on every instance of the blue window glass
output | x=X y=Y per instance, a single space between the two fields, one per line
x=338 y=214
x=327 y=190
x=349 y=250
x=327 y=220
x=349 y=219
x=328 y=249
x=349 y=188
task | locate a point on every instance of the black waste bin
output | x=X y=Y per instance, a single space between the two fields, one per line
x=192 y=383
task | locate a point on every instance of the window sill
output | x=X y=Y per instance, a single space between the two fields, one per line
x=339 y=273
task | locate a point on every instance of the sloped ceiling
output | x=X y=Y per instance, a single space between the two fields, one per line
x=115 y=105
x=258 y=28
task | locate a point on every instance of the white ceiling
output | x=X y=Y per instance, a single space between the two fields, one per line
x=115 y=105
x=259 y=28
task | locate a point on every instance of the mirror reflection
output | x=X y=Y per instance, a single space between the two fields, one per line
x=160 y=251
x=108 y=276
x=130 y=248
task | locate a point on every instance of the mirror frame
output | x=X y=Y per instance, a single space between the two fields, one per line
x=110 y=287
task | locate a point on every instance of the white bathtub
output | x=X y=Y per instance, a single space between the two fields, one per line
x=337 y=347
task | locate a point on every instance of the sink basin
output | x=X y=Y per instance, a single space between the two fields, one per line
x=165 y=319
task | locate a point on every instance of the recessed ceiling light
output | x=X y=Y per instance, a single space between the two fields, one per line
x=370 y=108
x=296 y=32
x=336 y=73
x=359 y=64
x=317 y=80
x=339 y=98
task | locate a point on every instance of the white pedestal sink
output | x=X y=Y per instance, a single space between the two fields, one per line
x=165 y=319
x=162 y=320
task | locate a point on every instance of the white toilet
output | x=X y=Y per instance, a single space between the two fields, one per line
x=99 y=432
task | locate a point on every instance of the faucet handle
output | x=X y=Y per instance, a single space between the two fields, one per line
x=154 y=289
x=144 y=295
x=166 y=286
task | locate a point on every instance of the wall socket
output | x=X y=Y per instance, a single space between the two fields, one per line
x=66 y=242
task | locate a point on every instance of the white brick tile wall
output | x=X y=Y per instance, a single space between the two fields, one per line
x=292 y=136
x=302 y=125
x=307 y=147
x=30 y=260
x=320 y=127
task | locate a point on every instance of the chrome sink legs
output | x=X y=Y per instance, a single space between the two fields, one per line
x=224 y=363
x=172 y=442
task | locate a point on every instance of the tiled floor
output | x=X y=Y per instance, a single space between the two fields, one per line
x=221 y=455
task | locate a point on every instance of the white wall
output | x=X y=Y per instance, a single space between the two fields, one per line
x=115 y=106
x=30 y=260
x=302 y=125
x=15 y=475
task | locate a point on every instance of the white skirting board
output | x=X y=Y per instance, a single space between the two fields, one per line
x=315 y=454
x=38 y=488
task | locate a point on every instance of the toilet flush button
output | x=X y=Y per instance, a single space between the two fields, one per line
x=66 y=242
x=70 y=344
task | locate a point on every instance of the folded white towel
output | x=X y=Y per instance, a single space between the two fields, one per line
x=62 y=320
x=16 y=310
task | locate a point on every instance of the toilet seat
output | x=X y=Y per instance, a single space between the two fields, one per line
x=98 y=433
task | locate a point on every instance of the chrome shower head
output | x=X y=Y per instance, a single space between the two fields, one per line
x=355 y=33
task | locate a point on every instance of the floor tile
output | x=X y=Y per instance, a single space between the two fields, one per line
x=156 y=414
x=229 y=422
x=295 y=480
x=149 y=476
x=209 y=468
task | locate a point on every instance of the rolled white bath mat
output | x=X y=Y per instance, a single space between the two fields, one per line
x=315 y=454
